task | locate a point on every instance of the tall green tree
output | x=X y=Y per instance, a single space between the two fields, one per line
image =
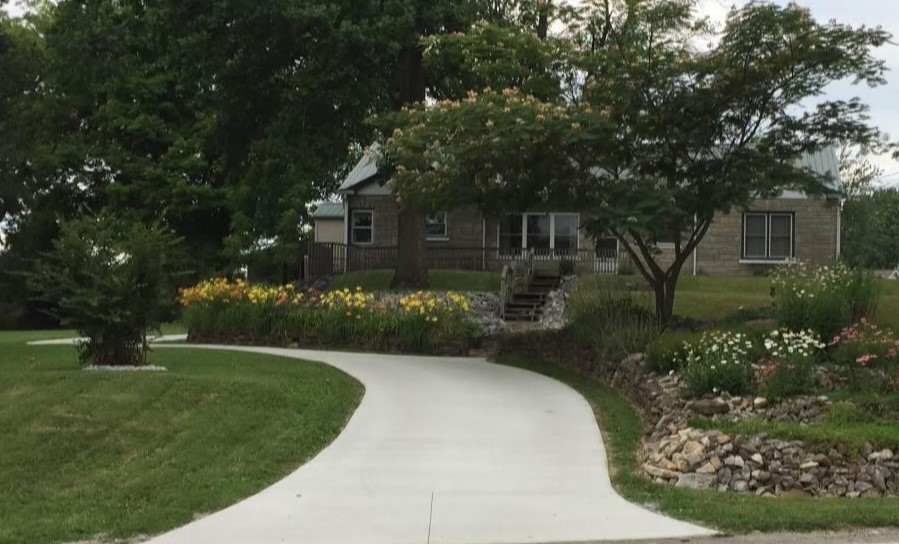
x=21 y=59
x=662 y=136
x=871 y=229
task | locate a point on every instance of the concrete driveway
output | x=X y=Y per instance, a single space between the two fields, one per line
x=443 y=450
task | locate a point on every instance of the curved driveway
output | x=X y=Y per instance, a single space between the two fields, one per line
x=443 y=450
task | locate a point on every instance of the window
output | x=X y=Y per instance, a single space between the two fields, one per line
x=540 y=231
x=511 y=228
x=565 y=232
x=362 y=223
x=435 y=224
x=767 y=236
x=755 y=236
x=780 y=227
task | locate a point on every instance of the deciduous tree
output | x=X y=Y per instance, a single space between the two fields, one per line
x=662 y=136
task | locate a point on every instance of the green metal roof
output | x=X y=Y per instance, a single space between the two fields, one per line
x=364 y=171
x=329 y=210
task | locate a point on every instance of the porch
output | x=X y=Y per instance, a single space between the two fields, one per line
x=323 y=259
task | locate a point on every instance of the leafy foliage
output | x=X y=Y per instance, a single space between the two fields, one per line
x=659 y=137
x=719 y=362
x=668 y=352
x=823 y=299
x=113 y=281
x=222 y=311
x=871 y=231
x=612 y=323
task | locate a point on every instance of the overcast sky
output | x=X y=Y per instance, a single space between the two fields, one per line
x=884 y=101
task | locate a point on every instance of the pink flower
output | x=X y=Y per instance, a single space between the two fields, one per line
x=864 y=359
x=891 y=353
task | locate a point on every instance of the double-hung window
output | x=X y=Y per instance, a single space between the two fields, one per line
x=768 y=236
x=362 y=223
x=556 y=232
x=435 y=224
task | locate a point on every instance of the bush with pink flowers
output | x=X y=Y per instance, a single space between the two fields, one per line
x=870 y=356
x=867 y=345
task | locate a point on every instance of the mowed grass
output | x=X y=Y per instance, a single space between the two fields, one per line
x=729 y=512
x=851 y=435
x=718 y=298
x=440 y=280
x=87 y=454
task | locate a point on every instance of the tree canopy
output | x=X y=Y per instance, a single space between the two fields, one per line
x=223 y=120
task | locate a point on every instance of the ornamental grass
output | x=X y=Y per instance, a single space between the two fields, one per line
x=220 y=310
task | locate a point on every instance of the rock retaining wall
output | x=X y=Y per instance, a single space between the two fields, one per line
x=672 y=452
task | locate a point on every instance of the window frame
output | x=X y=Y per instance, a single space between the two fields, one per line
x=552 y=231
x=767 y=258
x=438 y=237
x=370 y=228
x=792 y=217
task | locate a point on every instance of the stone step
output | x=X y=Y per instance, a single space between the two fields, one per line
x=522 y=308
x=523 y=316
x=530 y=297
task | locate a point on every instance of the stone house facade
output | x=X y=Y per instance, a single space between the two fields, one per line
x=743 y=242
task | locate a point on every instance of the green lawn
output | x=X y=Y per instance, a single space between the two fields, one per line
x=441 y=280
x=728 y=512
x=883 y=434
x=715 y=297
x=123 y=454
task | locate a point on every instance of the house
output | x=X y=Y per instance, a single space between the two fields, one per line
x=328 y=222
x=771 y=231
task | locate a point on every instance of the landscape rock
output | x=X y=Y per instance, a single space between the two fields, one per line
x=695 y=481
x=711 y=407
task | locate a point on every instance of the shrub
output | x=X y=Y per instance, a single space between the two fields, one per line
x=788 y=368
x=719 y=362
x=869 y=355
x=867 y=345
x=221 y=310
x=566 y=267
x=823 y=299
x=669 y=351
x=611 y=322
x=113 y=281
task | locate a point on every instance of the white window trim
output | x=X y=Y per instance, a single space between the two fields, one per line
x=445 y=236
x=767 y=258
x=552 y=229
x=353 y=227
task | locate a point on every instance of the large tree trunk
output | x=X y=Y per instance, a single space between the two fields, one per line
x=411 y=250
x=411 y=255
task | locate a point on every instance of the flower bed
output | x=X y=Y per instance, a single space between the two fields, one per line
x=824 y=299
x=223 y=311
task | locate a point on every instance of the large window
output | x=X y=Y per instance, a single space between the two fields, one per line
x=767 y=236
x=539 y=231
x=362 y=227
x=435 y=224
x=565 y=232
